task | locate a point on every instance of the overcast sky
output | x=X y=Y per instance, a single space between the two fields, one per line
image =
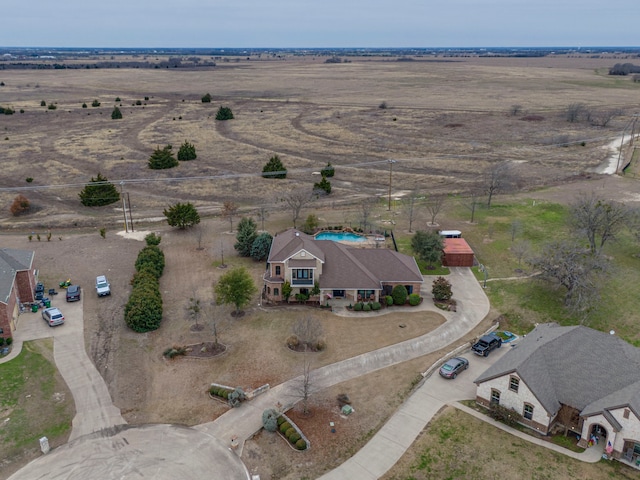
x=319 y=23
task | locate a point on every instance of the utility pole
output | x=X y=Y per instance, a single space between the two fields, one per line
x=391 y=162
x=130 y=214
x=124 y=207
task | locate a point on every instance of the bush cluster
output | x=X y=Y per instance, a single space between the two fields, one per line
x=20 y=205
x=505 y=415
x=143 y=311
x=367 y=307
x=7 y=110
x=220 y=392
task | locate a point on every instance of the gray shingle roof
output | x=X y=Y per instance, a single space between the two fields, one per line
x=347 y=267
x=575 y=366
x=12 y=261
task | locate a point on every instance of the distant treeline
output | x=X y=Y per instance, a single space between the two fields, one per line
x=170 y=63
x=624 y=69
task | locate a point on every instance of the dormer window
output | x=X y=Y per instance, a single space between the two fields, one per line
x=303 y=253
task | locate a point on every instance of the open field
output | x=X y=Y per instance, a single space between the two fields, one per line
x=451 y=121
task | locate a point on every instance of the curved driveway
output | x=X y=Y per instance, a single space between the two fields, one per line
x=102 y=444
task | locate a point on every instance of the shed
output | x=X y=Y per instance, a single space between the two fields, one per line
x=457 y=253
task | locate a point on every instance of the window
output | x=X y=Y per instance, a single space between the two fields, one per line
x=276 y=291
x=625 y=414
x=269 y=290
x=302 y=276
x=528 y=411
x=366 y=294
x=278 y=270
x=495 y=397
x=514 y=383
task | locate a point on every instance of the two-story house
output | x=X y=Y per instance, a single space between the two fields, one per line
x=340 y=271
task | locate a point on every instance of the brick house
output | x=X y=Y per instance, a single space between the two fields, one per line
x=339 y=270
x=17 y=284
x=587 y=380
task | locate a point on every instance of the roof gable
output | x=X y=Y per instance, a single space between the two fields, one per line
x=12 y=261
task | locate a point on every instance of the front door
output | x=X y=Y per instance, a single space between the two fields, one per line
x=338 y=294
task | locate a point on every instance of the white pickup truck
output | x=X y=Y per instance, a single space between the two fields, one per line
x=102 y=286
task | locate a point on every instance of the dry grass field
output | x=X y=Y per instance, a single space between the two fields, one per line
x=445 y=123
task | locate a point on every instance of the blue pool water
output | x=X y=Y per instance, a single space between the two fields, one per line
x=340 y=237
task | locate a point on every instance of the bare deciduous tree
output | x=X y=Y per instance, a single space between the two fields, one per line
x=295 y=200
x=516 y=228
x=434 y=205
x=577 y=270
x=411 y=207
x=598 y=219
x=520 y=250
x=366 y=207
x=568 y=417
x=471 y=202
x=303 y=386
x=194 y=310
x=262 y=215
x=574 y=112
x=497 y=178
x=229 y=210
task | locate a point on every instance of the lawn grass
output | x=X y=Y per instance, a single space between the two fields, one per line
x=457 y=445
x=32 y=375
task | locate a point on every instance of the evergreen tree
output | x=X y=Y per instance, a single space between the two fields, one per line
x=247 y=233
x=162 y=158
x=187 y=152
x=182 y=215
x=274 y=165
x=224 y=113
x=323 y=185
x=328 y=171
x=428 y=246
x=261 y=246
x=206 y=98
x=116 y=114
x=99 y=192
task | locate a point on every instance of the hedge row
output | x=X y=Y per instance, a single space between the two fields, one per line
x=220 y=392
x=143 y=311
x=291 y=432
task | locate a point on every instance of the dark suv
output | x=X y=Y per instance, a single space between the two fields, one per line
x=486 y=344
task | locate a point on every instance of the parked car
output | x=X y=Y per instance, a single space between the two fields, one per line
x=73 y=293
x=486 y=345
x=53 y=316
x=102 y=286
x=453 y=366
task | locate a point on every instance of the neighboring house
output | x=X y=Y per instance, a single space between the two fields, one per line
x=17 y=284
x=586 y=380
x=340 y=271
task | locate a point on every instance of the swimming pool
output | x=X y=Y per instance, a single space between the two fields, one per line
x=340 y=237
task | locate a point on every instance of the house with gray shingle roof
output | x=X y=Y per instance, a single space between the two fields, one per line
x=340 y=271
x=17 y=284
x=585 y=379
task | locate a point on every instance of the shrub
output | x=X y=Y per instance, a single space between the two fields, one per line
x=84 y=105
x=118 y=99
x=294 y=437
x=323 y=185
x=284 y=427
x=20 y=205
x=270 y=419
x=328 y=171
x=43 y=103
x=301 y=444
x=366 y=307
x=9 y=341
x=95 y=103
x=293 y=341
x=116 y=114
x=224 y=113
x=505 y=415
x=358 y=307
x=389 y=300
x=375 y=306
x=138 y=102
x=225 y=394
x=206 y=98
x=29 y=179
x=399 y=294
x=281 y=420
x=1 y=341
x=52 y=106
x=151 y=258
x=321 y=345
x=153 y=239
x=414 y=299
x=289 y=432
x=441 y=289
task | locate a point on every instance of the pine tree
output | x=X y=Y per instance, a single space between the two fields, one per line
x=247 y=233
x=116 y=114
x=99 y=192
x=187 y=152
x=162 y=158
x=274 y=165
